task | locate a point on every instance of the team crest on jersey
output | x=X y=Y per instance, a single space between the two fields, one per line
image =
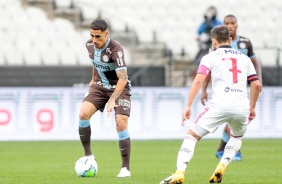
x=105 y=58
x=242 y=45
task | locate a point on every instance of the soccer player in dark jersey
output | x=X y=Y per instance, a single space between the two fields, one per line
x=244 y=45
x=110 y=84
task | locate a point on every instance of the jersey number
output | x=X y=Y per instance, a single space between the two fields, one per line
x=234 y=69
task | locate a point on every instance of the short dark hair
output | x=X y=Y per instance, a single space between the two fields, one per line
x=99 y=24
x=220 y=33
x=232 y=16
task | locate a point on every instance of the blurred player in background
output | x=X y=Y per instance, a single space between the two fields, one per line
x=203 y=38
x=110 y=84
x=230 y=71
x=244 y=45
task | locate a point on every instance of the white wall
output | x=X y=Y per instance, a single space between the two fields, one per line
x=52 y=114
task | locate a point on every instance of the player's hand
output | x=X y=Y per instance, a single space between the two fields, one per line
x=252 y=115
x=186 y=115
x=111 y=104
x=204 y=97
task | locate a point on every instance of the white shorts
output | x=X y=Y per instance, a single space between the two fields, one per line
x=214 y=115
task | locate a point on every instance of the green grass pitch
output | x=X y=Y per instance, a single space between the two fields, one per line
x=44 y=162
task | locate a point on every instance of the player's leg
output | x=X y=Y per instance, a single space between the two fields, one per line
x=122 y=112
x=124 y=144
x=231 y=148
x=185 y=154
x=224 y=139
x=238 y=126
x=86 y=111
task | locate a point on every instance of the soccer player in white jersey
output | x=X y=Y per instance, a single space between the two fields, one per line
x=230 y=71
x=245 y=46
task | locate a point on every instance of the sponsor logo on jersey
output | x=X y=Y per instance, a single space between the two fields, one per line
x=232 y=90
x=124 y=103
x=105 y=58
x=96 y=65
x=232 y=51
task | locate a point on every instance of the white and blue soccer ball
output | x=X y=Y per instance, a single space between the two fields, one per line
x=86 y=167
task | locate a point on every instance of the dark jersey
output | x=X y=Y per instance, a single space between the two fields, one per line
x=107 y=61
x=244 y=45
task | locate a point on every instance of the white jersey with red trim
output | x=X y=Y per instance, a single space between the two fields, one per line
x=230 y=71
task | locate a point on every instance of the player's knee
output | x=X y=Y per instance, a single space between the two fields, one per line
x=121 y=123
x=84 y=116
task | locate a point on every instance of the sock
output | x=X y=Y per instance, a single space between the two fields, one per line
x=85 y=134
x=186 y=152
x=124 y=147
x=223 y=142
x=231 y=148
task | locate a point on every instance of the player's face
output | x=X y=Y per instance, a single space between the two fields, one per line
x=232 y=25
x=99 y=38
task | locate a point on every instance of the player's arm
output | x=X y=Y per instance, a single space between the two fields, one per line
x=204 y=96
x=195 y=88
x=254 y=93
x=258 y=69
x=122 y=81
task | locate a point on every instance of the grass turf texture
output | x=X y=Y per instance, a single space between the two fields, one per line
x=151 y=161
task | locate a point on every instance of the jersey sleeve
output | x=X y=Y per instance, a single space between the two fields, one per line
x=251 y=53
x=252 y=75
x=204 y=67
x=90 y=49
x=118 y=58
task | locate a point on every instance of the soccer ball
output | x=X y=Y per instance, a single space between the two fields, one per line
x=86 y=167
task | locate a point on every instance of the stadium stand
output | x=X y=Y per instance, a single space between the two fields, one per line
x=154 y=32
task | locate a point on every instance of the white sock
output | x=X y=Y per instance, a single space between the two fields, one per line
x=186 y=152
x=231 y=148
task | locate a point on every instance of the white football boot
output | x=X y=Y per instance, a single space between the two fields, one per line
x=124 y=173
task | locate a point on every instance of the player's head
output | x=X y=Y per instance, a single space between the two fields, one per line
x=210 y=14
x=220 y=36
x=231 y=22
x=99 y=32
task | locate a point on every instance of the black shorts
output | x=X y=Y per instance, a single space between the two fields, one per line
x=99 y=96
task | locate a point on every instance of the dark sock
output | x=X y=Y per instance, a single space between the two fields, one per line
x=222 y=145
x=85 y=134
x=124 y=146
